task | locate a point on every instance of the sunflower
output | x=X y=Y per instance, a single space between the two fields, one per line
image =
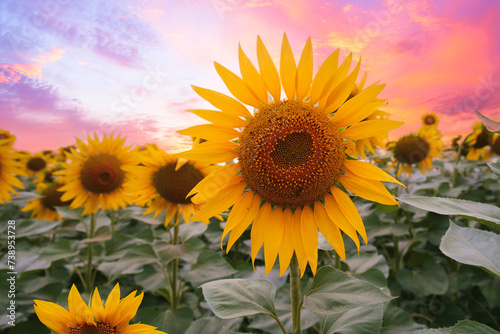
x=6 y=138
x=495 y=144
x=290 y=154
x=477 y=142
x=44 y=207
x=95 y=175
x=95 y=318
x=415 y=149
x=430 y=120
x=163 y=182
x=10 y=166
x=369 y=144
x=36 y=164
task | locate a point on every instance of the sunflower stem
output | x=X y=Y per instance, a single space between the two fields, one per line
x=88 y=273
x=338 y=264
x=295 y=295
x=174 y=294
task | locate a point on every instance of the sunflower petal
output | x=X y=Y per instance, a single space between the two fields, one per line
x=339 y=219
x=210 y=132
x=368 y=189
x=297 y=240
x=325 y=73
x=305 y=71
x=369 y=171
x=238 y=213
x=328 y=229
x=219 y=118
x=268 y=71
x=213 y=183
x=286 y=248
x=340 y=93
x=259 y=229
x=211 y=153
x=288 y=69
x=349 y=210
x=251 y=77
x=309 y=232
x=238 y=230
x=223 y=102
x=226 y=198
x=370 y=128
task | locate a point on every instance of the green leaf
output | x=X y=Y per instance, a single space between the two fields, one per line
x=359 y=320
x=209 y=266
x=174 y=322
x=61 y=249
x=333 y=291
x=430 y=279
x=495 y=167
x=484 y=213
x=233 y=298
x=473 y=246
x=490 y=124
x=187 y=231
x=143 y=253
x=397 y=321
x=365 y=261
x=462 y=327
x=213 y=325
x=28 y=227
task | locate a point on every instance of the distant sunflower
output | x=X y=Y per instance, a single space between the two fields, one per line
x=477 y=142
x=95 y=175
x=415 y=149
x=36 y=163
x=163 y=183
x=290 y=154
x=44 y=207
x=6 y=138
x=95 y=318
x=430 y=120
x=495 y=144
x=10 y=166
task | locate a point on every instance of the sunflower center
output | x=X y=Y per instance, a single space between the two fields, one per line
x=411 y=150
x=101 y=173
x=174 y=185
x=36 y=164
x=291 y=154
x=99 y=328
x=3 y=136
x=52 y=197
x=429 y=120
x=496 y=146
x=481 y=140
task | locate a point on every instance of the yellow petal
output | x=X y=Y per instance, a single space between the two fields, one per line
x=340 y=93
x=259 y=229
x=237 y=87
x=368 y=189
x=325 y=73
x=286 y=248
x=297 y=240
x=97 y=306
x=54 y=316
x=309 y=232
x=339 y=219
x=359 y=107
x=251 y=77
x=369 y=171
x=213 y=183
x=238 y=213
x=328 y=229
x=349 y=210
x=275 y=227
x=210 y=132
x=370 y=128
x=268 y=71
x=334 y=81
x=305 y=71
x=223 y=102
x=211 y=153
x=238 y=230
x=219 y=118
x=287 y=69
x=112 y=304
x=78 y=308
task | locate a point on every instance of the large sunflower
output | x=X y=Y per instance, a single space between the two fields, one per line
x=95 y=318
x=95 y=175
x=10 y=166
x=415 y=149
x=291 y=154
x=44 y=207
x=163 y=183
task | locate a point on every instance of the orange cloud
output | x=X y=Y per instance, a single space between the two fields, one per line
x=12 y=72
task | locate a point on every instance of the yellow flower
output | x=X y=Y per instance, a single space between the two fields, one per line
x=96 y=318
x=6 y=138
x=415 y=149
x=10 y=166
x=163 y=182
x=477 y=142
x=430 y=120
x=290 y=154
x=36 y=164
x=44 y=207
x=95 y=175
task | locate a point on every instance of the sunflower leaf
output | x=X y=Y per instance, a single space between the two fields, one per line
x=333 y=292
x=359 y=320
x=495 y=167
x=233 y=298
x=431 y=278
x=484 y=213
x=473 y=246
x=490 y=124
x=461 y=327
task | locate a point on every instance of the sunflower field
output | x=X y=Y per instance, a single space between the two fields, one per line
x=292 y=213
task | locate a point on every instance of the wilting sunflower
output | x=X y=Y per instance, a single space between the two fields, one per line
x=415 y=149
x=290 y=154
x=10 y=166
x=44 y=207
x=95 y=318
x=477 y=142
x=95 y=175
x=163 y=183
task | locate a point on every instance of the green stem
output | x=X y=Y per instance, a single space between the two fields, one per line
x=295 y=295
x=338 y=264
x=395 y=240
x=280 y=324
x=175 y=295
x=88 y=273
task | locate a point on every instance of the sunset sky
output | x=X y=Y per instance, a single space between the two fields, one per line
x=69 y=68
